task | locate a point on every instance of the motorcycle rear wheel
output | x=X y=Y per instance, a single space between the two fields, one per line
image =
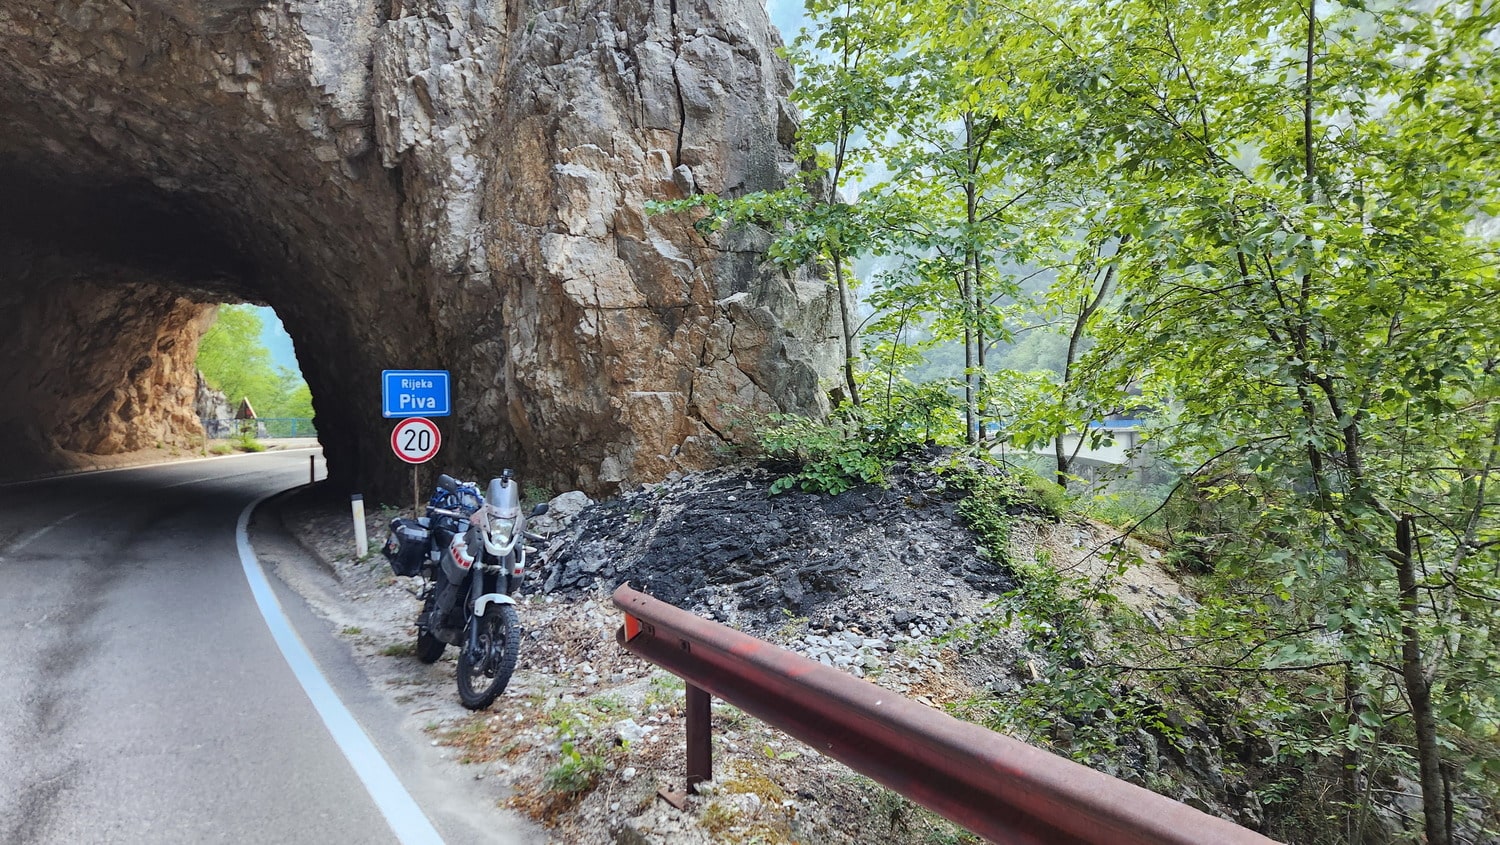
x=483 y=675
x=429 y=647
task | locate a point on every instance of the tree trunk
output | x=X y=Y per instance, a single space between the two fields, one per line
x=1062 y=461
x=970 y=292
x=848 y=325
x=1419 y=691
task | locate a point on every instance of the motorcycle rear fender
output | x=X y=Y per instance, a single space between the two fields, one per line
x=483 y=602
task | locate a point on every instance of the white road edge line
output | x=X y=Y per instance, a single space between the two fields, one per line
x=401 y=812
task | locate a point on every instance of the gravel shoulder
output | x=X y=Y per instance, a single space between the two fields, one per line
x=586 y=733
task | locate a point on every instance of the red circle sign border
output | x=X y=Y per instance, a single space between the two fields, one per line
x=437 y=438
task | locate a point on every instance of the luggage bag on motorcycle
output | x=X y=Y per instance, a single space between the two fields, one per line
x=407 y=546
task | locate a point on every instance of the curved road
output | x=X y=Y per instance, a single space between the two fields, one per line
x=142 y=695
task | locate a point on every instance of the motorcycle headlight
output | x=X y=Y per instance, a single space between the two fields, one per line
x=501 y=529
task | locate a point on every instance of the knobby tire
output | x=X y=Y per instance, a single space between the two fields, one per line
x=499 y=641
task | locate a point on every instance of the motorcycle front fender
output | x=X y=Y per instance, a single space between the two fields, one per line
x=483 y=602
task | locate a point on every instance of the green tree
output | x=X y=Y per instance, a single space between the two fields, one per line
x=1306 y=285
x=1271 y=216
x=233 y=360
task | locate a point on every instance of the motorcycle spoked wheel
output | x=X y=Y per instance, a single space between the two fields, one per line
x=482 y=676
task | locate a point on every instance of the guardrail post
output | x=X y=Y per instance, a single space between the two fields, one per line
x=700 y=747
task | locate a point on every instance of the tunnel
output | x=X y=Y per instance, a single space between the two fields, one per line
x=457 y=185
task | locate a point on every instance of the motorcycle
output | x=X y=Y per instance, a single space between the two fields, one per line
x=469 y=552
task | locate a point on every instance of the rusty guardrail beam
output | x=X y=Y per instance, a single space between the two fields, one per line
x=995 y=786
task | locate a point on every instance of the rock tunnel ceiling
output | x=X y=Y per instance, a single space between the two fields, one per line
x=411 y=185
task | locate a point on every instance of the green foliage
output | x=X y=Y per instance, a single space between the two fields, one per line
x=233 y=360
x=1271 y=224
x=579 y=766
x=1051 y=497
x=854 y=445
x=576 y=773
x=833 y=455
x=1070 y=626
x=245 y=441
x=997 y=496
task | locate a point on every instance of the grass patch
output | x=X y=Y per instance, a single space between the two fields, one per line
x=353 y=630
x=474 y=740
x=400 y=650
x=250 y=445
x=666 y=692
x=750 y=782
x=606 y=704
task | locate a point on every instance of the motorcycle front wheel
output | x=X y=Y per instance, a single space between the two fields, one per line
x=483 y=673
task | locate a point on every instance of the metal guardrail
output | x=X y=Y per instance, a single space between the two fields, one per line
x=995 y=786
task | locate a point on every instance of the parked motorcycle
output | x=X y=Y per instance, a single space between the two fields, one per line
x=469 y=552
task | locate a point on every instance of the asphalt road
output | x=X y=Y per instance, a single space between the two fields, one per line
x=143 y=697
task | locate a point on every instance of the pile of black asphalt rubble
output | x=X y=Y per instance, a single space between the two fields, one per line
x=894 y=559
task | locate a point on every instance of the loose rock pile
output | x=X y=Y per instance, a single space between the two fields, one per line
x=868 y=564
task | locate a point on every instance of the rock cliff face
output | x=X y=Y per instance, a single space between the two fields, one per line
x=96 y=386
x=450 y=184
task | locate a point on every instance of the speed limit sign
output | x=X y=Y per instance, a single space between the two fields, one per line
x=416 y=440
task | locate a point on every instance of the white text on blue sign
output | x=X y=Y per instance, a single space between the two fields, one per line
x=414 y=393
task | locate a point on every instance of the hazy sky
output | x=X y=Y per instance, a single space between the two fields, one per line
x=273 y=335
x=788 y=17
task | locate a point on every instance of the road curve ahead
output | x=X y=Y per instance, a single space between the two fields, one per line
x=142 y=695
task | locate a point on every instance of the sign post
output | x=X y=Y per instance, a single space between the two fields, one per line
x=412 y=396
x=415 y=440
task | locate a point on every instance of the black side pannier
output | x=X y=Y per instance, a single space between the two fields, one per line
x=406 y=547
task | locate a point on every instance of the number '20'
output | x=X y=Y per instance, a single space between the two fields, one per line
x=417 y=440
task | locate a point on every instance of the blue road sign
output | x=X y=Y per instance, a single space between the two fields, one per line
x=414 y=393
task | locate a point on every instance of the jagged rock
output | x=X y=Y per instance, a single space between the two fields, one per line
x=213 y=409
x=424 y=183
x=560 y=513
x=78 y=391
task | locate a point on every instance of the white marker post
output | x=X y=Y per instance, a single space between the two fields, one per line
x=361 y=542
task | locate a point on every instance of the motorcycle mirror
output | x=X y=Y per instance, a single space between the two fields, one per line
x=540 y=509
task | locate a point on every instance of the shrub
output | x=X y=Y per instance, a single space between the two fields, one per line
x=1045 y=494
x=833 y=455
x=246 y=442
x=856 y=443
x=576 y=774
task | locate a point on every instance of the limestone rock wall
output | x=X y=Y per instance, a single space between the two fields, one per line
x=452 y=184
x=101 y=368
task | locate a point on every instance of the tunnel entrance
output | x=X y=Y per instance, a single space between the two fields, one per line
x=105 y=291
x=411 y=185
